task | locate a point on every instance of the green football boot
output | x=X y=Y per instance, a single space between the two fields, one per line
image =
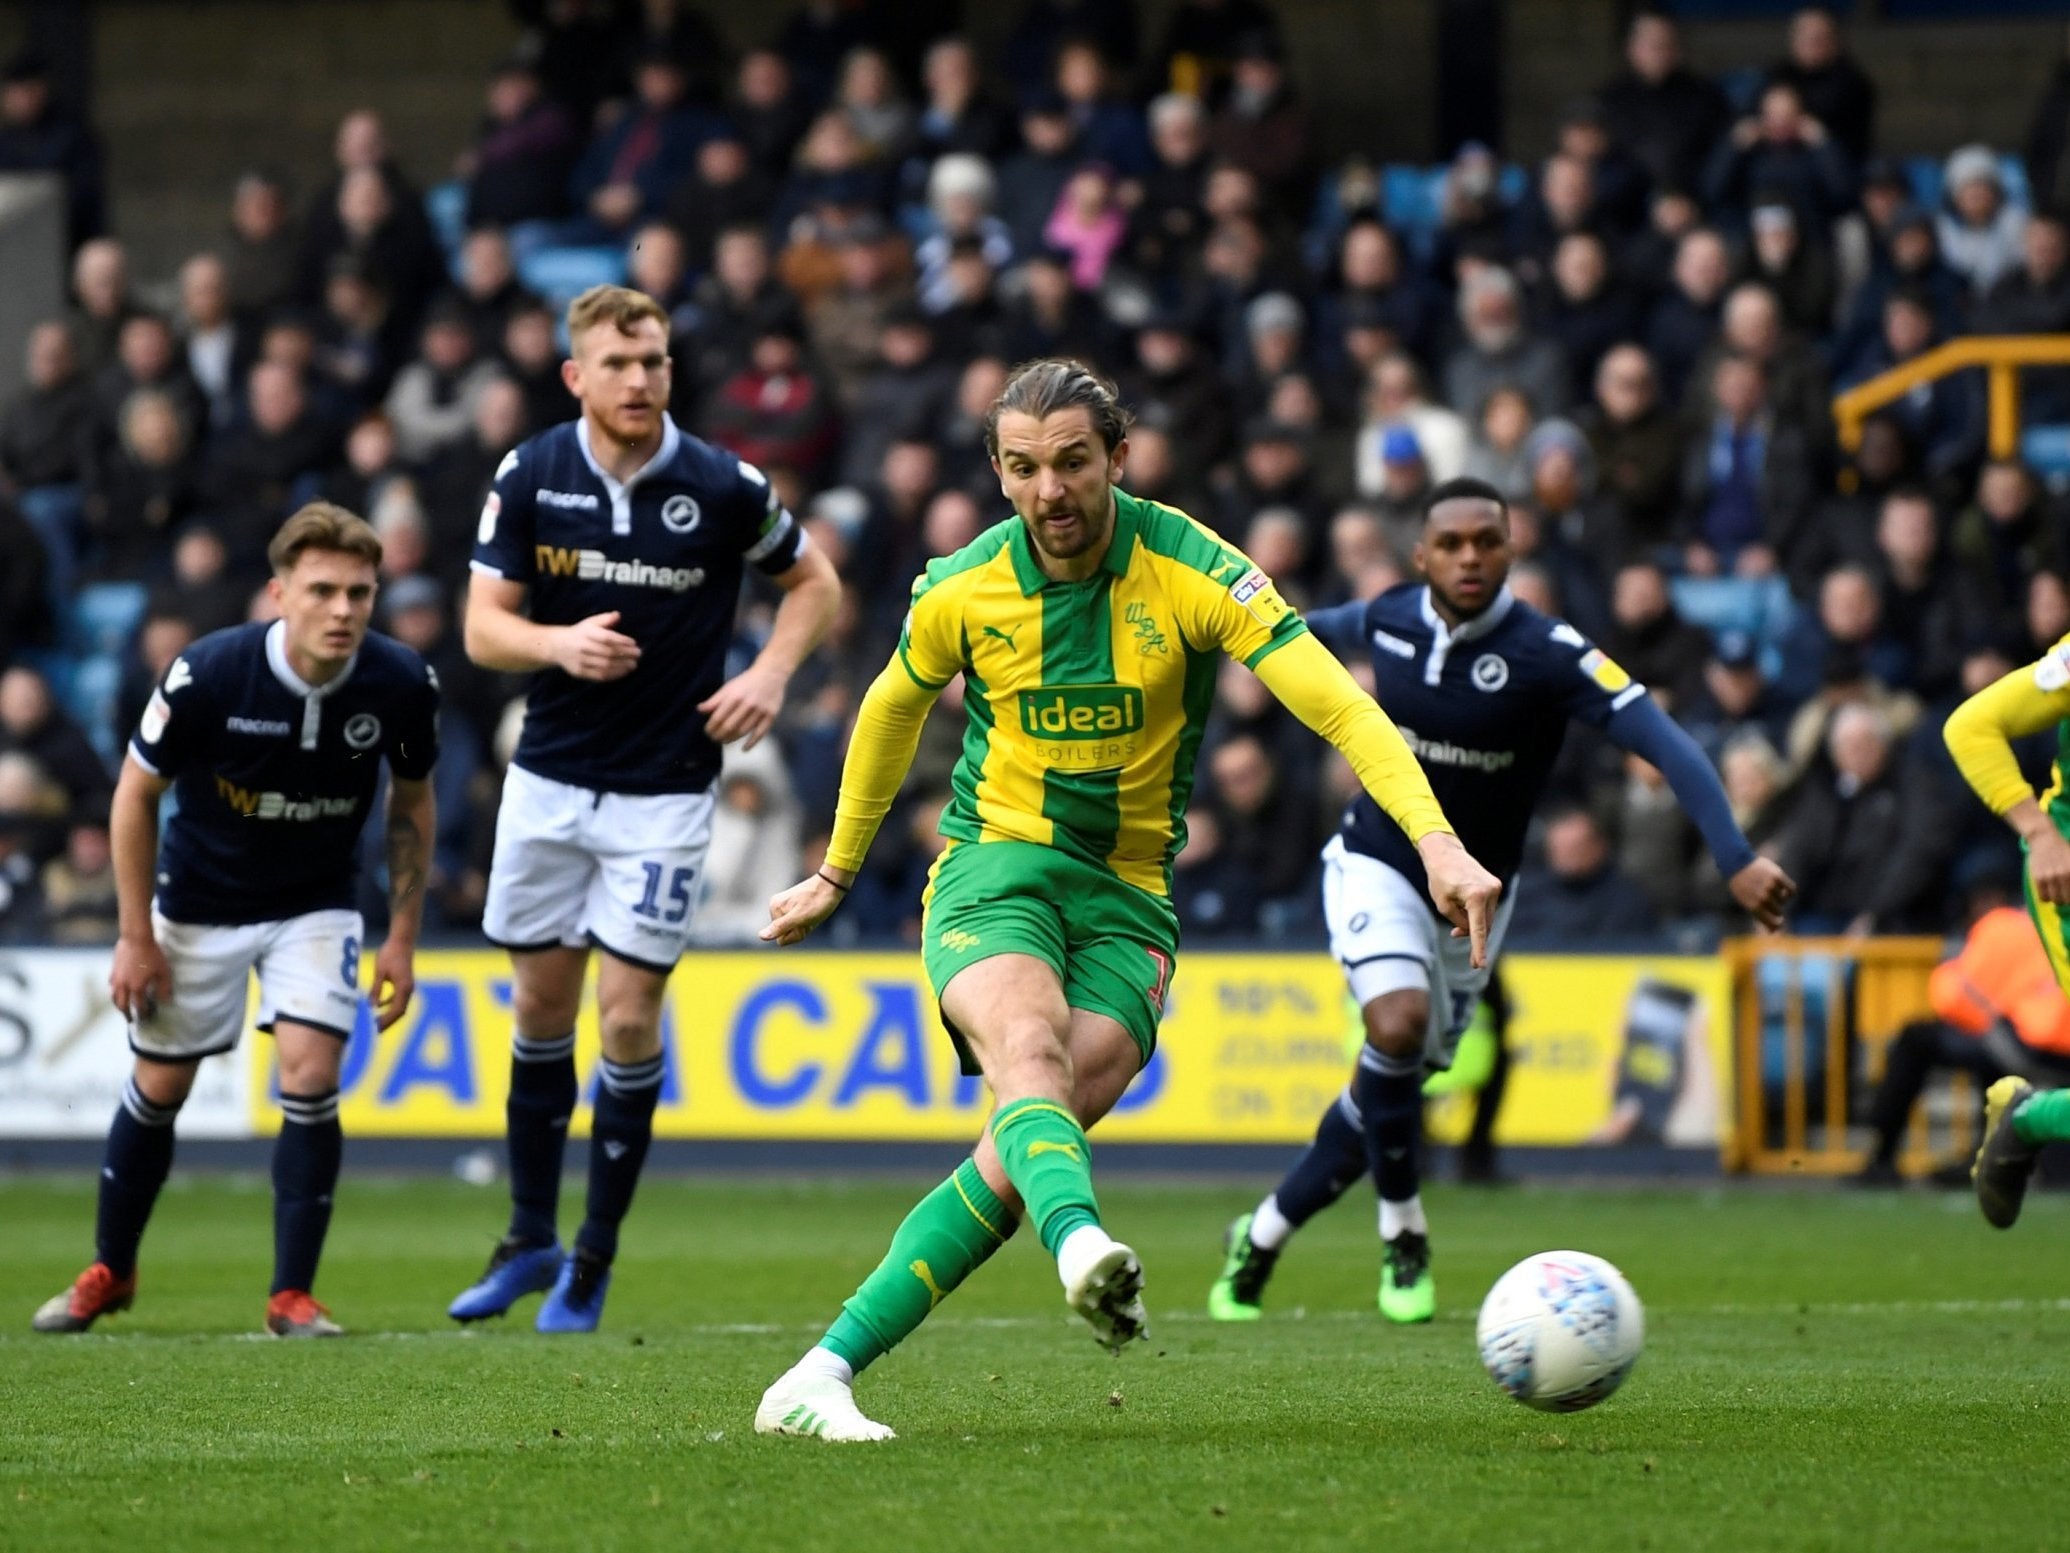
x=2003 y=1162
x=1407 y=1291
x=1239 y=1291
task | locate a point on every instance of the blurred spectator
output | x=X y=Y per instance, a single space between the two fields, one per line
x=78 y=890
x=1980 y=228
x=1752 y=326
x=432 y=404
x=489 y=288
x=369 y=210
x=2035 y=299
x=39 y=134
x=2007 y=535
x=1746 y=479
x=1030 y=50
x=1734 y=699
x=905 y=395
x=205 y=587
x=1657 y=846
x=1107 y=126
x=456 y=481
x=262 y=253
x=1909 y=259
x=1586 y=311
x=625 y=176
x=43 y=431
x=398 y=519
x=1560 y=204
x=27 y=618
x=353 y=357
x=31 y=814
x=146 y=357
x=1273 y=469
x=1685 y=320
x=1261 y=125
x=1498 y=349
x=1616 y=179
x=1033 y=178
x=143 y=489
x=1175 y=387
x=1577 y=897
x=519 y=165
x=532 y=358
x=730 y=304
x=1835 y=90
x=958 y=114
x=1497 y=454
x=1049 y=316
x=101 y=302
x=1089 y=224
x=1784 y=155
x=1657 y=108
x=1267 y=833
x=1201 y=41
x=1932 y=607
x=1653 y=643
x=769 y=110
x=1861 y=835
x=832 y=168
x=1169 y=219
x=34 y=725
x=755 y=844
x=1800 y=273
x=724 y=189
x=217 y=348
x=1943 y=418
x=869 y=95
x=1396 y=395
x=166 y=632
x=1210 y=892
x=1637 y=443
x=1844 y=642
x=251 y=474
x=960 y=194
x=776 y=411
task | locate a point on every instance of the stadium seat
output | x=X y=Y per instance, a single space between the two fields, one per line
x=1412 y=199
x=1760 y=606
x=2046 y=450
x=103 y=618
x=92 y=697
x=562 y=274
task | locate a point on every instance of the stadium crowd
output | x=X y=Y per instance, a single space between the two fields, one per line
x=858 y=227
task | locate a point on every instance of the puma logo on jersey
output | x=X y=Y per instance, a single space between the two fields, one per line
x=1224 y=567
x=1044 y=1146
x=1002 y=636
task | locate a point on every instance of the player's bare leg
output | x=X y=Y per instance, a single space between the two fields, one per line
x=546 y=995
x=948 y=1236
x=629 y=1000
x=306 y=1158
x=138 y=1159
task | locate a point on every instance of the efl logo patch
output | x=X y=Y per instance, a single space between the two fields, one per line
x=485 y=531
x=1598 y=666
x=1254 y=591
x=151 y=726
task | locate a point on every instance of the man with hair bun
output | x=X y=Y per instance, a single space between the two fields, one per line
x=1087 y=628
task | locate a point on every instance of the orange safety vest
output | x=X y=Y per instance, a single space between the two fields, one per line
x=2003 y=972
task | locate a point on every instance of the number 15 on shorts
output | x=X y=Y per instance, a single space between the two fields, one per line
x=678 y=899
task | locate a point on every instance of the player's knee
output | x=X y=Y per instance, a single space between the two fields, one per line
x=1398 y=1024
x=631 y=1033
x=544 y=1011
x=165 y=1083
x=1033 y=1056
x=311 y=1069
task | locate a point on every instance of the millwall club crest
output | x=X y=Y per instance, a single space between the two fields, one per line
x=363 y=731
x=1490 y=672
x=680 y=514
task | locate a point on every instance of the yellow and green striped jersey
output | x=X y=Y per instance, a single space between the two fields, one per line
x=1087 y=700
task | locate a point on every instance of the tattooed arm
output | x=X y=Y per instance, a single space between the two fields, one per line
x=410 y=829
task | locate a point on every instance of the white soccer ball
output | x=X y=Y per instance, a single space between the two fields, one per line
x=1560 y=1331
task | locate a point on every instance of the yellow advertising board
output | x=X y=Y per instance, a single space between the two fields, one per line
x=849 y=1046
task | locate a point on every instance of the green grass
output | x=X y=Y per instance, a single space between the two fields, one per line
x=1822 y=1371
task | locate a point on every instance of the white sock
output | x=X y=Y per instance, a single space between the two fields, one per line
x=1082 y=1247
x=824 y=1363
x=1398 y=1216
x=1269 y=1227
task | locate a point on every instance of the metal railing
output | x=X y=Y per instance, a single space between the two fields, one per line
x=2001 y=356
x=1813 y=1019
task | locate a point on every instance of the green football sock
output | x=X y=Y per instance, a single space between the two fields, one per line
x=2043 y=1117
x=1049 y=1163
x=945 y=1239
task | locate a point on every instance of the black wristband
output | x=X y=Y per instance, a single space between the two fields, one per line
x=821 y=873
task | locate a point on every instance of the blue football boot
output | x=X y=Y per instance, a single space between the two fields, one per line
x=576 y=1301
x=516 y=1268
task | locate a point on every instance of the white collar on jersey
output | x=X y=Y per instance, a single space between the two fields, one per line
x=1444 y=638
x=621 y=494
x=312 y=695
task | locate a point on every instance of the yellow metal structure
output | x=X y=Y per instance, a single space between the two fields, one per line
x=1873 y=988
x=1999 y=355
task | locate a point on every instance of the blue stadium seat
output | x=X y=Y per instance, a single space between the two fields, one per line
x=1760 y=606
x=1742 y=88
x=1412 y=199
x=562 y=274
x=446 y=205
x=104 y=617
x=92 y=697
x=2046 y=450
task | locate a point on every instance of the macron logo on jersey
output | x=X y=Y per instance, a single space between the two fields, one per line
x=595 y=566
x=579 y=500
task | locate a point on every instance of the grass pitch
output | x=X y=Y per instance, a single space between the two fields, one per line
x=1825 y=1371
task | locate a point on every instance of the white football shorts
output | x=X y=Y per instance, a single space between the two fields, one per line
x=1388 y=938
x=308 y=969
x=574 y=867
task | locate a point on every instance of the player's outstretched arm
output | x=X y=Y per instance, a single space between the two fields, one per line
x=1979 y=734
x=412 y=823
x=500 y=636
x=880 y=752
x=1759 y=884
x=747 y=705
x=1318 y=689
x=141 y=978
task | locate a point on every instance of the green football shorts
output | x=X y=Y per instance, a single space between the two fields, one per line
x=1111 y=944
